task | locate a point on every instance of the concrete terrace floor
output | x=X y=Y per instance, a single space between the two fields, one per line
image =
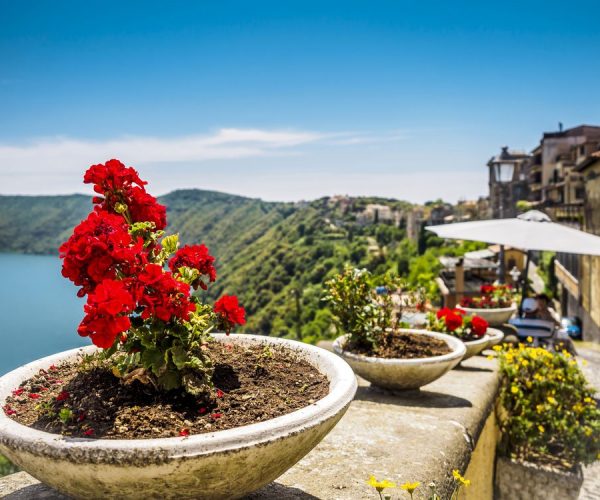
x=418 y=436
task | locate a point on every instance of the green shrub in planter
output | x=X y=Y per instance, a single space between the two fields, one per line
x=548 y=414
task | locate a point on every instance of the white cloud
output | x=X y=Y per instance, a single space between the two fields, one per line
x=271 y=164
x=61 y=153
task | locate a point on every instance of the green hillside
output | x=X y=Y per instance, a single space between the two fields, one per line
x=274 y=256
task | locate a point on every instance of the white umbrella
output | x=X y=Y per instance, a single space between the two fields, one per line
x=530 y=231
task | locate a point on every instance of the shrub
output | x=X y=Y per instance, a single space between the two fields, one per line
x=363 y=305
x=548 y=413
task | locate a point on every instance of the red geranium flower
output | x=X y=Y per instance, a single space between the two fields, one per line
x=453 y=321
x=88 y=432
x=215 y=416
x=184 y=432
x=230 y=312
x=62 y=396
x=103 y=321
x=18 y=392
x=196 y=257
x=219 y=393
x=163 y=296
x=34 y=395
x=479 y=326
x=443 y=312
x=8 y=410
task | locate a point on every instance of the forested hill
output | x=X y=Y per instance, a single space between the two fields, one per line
x=39 y=224
x=274 y=256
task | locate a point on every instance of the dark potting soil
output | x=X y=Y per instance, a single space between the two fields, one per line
x=251 y=385
x=404 y=345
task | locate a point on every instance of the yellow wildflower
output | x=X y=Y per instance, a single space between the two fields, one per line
x=587 y=431
x=514 y=389
x=490 y=357
x=537 y=376
x=539 y=408
x=587 y=400
x=551 y=400
x=460 y=479
x=529 y=384
x=410 y=487
x=380 y=485
x=497 y=348
x=541 y=428
x=529 y=340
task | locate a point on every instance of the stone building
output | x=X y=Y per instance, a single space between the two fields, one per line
x=504 y=196
x=579 y=278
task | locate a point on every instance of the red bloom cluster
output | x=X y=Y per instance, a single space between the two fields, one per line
x=453 y=318
x=122 y=185
x=479 y=326
x=107 y=312
x=230 y=312
x=99 y=246
x=163 y=296
x=195 y=257
x=119 y=273
x=492 y=297
x=457 y=318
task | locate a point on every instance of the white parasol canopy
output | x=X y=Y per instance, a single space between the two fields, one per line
x=532 y=230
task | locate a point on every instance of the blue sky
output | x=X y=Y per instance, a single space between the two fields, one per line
x=288 y=100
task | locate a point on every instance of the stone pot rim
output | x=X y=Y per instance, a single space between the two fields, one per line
x=341 y=392
x=458 y=350
x=482 y=340
x=490 y=309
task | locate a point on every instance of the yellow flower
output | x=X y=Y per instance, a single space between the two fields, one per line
x=459 y=479
x=529 y=340
x=490 y=357
x=541 y=428
x=539 y=408
x=380 y=485
x=587 y=431
x=525 y=362
x=551 y=400
x=497 y=348
x=410 y=487
x=529 y=384
x=537 y=376
x=514 y=389
x=587 y=400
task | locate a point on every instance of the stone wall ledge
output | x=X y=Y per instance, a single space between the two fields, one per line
x=417 y=436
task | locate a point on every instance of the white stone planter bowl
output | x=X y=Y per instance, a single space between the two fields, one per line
x=474 y=347
x=222 y=464
x=495 y=337
x=495 y=317
x=403 y=374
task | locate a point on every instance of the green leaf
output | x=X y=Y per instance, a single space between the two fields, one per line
x=153 y=359
x=179 y=356
x=169 y=380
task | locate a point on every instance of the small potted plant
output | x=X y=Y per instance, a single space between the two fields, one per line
x=367 y=310
x=472 y=330
x=496 y=304
x=161 y=406
x=550 y=424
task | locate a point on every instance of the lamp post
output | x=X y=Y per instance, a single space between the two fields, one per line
x=503 y=174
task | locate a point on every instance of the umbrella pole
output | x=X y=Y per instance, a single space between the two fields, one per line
x=525 y=283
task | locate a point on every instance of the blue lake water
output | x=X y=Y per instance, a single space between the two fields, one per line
x=39 y=310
